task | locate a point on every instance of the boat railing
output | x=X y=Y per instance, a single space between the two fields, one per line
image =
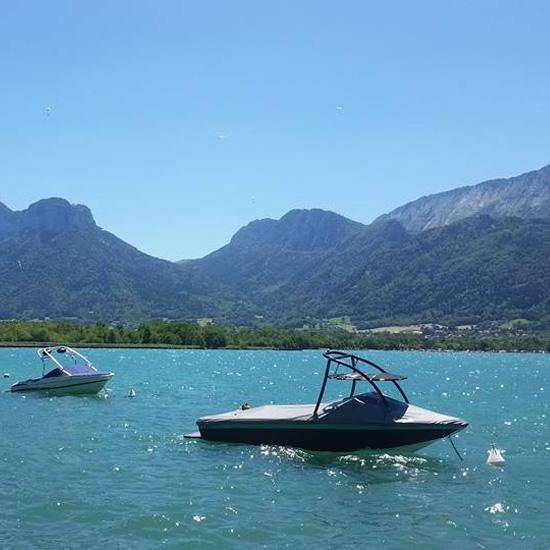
x=351 y=362
x=47 y=353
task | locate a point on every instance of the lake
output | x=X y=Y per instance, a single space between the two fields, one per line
x=109 y=471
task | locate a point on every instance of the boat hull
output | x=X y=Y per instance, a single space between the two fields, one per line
x=316 y=436
x=73 y=385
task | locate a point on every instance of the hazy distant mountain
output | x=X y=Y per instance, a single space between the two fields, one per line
x=476 y=269
x=267 y=251
x=56 y=262
x=526 y=196
x=456 y=257
x=305 y=230
x=46 y=216
x=7 y=221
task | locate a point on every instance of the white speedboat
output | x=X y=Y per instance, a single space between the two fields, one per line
x=371 y=420
x=72 y=373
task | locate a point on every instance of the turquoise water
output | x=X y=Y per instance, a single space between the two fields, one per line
x=109 y=471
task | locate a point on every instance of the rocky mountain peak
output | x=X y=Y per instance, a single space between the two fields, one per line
x=52 y=215
x=526 y=196
x=56 y=215
x=300 y=230
x=7 y=220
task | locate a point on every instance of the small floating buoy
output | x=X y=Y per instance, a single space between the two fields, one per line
x=131 y=393
x=495 y=457
x=6 y=375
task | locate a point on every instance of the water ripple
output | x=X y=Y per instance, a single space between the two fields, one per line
x=83 y=472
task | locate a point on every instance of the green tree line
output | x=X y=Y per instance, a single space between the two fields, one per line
x=187 y=334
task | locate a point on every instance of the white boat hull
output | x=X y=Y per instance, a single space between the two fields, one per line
x=78 y=384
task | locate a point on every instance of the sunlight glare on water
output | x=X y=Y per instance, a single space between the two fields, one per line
x=113 y=471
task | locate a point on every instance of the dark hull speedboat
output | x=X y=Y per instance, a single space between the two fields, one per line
x=371 y=420
x=76 y=375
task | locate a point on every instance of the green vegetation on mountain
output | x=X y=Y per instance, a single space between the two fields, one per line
x=55 y=262
x=304 y=270
x=474 y=270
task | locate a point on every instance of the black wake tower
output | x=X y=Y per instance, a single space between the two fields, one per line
x=337 y=359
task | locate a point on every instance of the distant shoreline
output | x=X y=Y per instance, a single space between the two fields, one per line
x=192 y=336
x=96 y=345
x=102 y=345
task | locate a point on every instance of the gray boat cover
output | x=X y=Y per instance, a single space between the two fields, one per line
x=367 y=408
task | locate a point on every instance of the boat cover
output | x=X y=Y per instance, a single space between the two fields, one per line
x=53 y=373
x=367 y=408
x=79 y=368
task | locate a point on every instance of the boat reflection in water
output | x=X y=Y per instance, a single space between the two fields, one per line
x=371 y=420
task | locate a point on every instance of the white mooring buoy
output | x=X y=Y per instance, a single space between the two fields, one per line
x=495 y=457
x=6 y=375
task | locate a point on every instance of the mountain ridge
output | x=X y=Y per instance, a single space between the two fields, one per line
x=299 y=229
x=526 y=196
x=311 y=264
x=56 y=262
x=52 y=215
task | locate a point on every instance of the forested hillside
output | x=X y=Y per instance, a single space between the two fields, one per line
x=306 y=268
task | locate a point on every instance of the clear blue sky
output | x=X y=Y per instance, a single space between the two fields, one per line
x=178 y=122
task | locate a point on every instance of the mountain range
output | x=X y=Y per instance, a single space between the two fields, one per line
x=526 y=196
x=56 y=262
x=477 y=253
